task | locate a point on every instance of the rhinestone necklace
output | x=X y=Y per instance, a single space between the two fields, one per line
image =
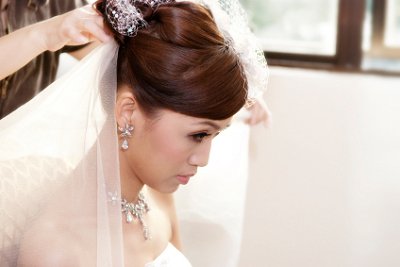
x=133 y=210
x=136 y=210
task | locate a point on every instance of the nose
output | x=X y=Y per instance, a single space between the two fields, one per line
x=201 y=155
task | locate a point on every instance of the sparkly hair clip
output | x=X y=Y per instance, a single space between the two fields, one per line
x=125 y=18
x=156 y=3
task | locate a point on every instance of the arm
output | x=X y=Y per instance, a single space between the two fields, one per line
x=76 y=27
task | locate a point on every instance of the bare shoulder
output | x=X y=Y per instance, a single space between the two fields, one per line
x=45 y=244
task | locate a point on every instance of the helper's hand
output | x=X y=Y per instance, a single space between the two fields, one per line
x=259 y=113
x=76 y=27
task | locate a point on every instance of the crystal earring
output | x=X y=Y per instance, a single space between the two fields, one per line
x=126 y=133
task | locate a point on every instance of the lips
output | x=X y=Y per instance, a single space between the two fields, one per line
x=184 y=179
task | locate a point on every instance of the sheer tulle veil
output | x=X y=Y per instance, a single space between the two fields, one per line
x=59 y=162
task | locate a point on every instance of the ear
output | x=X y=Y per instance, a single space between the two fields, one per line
x=125 y=107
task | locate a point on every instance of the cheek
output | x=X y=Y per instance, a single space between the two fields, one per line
x=171 y=148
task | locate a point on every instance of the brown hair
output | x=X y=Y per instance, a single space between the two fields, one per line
x=181 y=62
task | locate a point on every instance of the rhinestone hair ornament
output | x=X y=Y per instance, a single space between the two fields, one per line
x=125 y=18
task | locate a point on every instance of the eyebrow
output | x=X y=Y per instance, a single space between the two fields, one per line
x=212 y=124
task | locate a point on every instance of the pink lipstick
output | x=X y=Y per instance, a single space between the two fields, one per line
x=183 y=179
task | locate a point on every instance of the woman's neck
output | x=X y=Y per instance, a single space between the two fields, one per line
x=130 y=184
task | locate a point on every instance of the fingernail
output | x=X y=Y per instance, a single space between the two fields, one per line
x=82 y=39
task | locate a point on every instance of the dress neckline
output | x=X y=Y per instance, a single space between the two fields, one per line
x=159 y=257
x=171 y=256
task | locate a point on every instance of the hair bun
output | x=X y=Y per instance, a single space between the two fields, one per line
x=126 y=17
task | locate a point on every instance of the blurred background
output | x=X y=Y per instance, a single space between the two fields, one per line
x=324 y=183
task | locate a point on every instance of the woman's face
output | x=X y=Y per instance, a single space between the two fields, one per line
x=166 y=151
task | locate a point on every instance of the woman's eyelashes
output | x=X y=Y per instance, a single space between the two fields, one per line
x=199 y=137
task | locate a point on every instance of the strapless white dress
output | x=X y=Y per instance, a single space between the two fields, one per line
x=170 y=257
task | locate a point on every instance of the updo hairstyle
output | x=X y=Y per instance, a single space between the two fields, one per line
x=181 y=62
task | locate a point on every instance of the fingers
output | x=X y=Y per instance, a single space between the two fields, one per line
x=259 y=114
x=76 y=37
x=82 y=26
x=77 y=27
x=88 y=9
x=95 y=28
x=91 y=24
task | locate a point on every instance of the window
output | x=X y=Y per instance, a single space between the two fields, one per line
x=392 y=24
x=335 y=34
x=295 y=26
x=382 y=36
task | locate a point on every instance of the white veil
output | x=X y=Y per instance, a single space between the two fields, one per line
x=58 y=161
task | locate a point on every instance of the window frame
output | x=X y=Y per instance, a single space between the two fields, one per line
x=349 y=53
x=378 y=48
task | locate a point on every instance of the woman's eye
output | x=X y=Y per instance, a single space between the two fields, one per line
x=199 y=137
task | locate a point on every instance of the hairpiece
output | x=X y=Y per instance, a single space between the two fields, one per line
x=125 y=18
x=156 y=3
x=232 y=21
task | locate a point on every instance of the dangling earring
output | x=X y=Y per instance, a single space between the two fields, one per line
x=126 y=133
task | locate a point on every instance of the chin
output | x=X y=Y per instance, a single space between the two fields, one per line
x=169 y=189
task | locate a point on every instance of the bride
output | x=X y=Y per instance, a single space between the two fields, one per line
x=87 y=166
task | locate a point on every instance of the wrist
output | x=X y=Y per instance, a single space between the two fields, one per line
x=47 y=34
x=37 y=37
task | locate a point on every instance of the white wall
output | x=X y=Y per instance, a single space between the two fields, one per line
x=324 y=187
